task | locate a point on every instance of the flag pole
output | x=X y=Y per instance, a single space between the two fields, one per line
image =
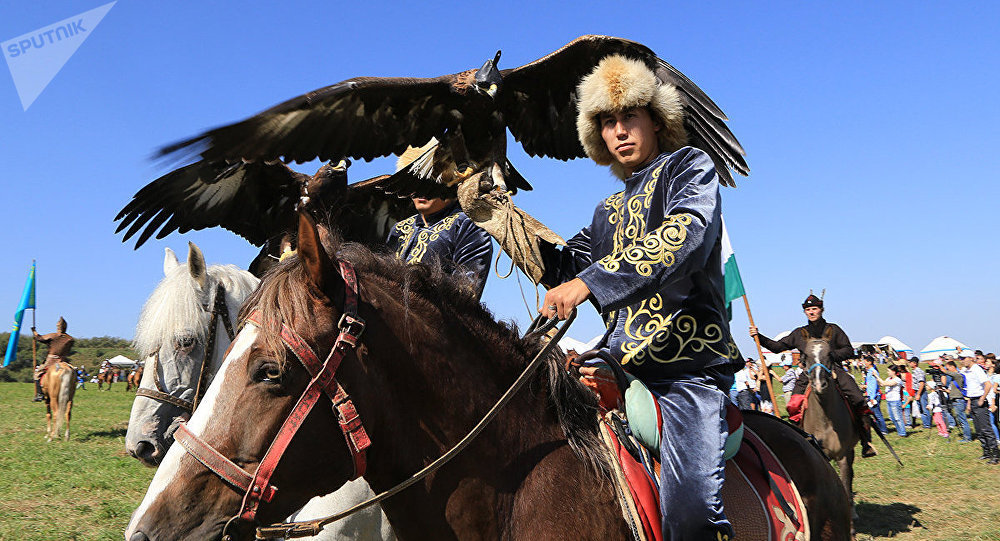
x=763 y=364
x=34 y=343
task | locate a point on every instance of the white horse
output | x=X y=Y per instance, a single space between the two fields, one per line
x=175 y=329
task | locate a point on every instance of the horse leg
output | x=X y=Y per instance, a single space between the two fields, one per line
x=69 y=410
x=48 y=421
x=846 y=467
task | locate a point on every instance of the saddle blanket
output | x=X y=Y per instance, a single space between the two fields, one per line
x=759 y=497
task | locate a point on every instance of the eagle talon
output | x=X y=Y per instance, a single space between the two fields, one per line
x=465 y=174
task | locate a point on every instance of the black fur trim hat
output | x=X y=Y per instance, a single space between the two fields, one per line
x=812 y=300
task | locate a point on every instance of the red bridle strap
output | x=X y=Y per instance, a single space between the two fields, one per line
x=236 y=476
x=322 y=382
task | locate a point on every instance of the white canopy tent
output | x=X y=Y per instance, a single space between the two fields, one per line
x=941 y=345
x=778 y=359
x=896 y=344
x=121 y=361
x=567 y=343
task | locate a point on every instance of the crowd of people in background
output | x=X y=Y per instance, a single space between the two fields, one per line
x=956 y=395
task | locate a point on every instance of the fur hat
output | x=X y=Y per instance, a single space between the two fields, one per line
x=812 y=300
x=616 y=84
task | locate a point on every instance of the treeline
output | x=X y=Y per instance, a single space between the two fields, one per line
x=88 y=352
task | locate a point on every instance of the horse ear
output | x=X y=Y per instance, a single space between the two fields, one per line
x=322 y=268
x=196 y=265
x=169 y=261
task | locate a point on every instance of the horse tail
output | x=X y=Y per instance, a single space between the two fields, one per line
x=66 y=390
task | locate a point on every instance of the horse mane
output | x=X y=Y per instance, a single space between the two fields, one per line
x=177 y=305
x=281 y=294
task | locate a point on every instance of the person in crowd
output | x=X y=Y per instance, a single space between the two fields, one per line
x=746 y=384
x=935 y=399
x=789 y=377
x=957 y=403
x=873 y=393
x=919 y=386
x=976 y=387
x=893 y=387
x=993 y=398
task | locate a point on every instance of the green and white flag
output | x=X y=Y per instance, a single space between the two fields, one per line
x=731 y=272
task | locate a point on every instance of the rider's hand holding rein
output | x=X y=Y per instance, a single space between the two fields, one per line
x=562 y=299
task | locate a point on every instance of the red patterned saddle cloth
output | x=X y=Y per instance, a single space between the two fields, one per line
x=759 y=497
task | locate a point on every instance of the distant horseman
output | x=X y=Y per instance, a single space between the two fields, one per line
x=840 y=350
x=60 y=346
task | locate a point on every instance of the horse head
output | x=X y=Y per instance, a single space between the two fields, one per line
x=818 y=363
x=257 y=448
x=182 y=344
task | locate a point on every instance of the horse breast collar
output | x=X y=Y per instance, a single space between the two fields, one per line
x=219 y=310
x=257 y=487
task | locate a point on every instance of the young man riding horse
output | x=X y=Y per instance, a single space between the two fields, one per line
x=651 y=262
x=840 y=349
x=60 y=346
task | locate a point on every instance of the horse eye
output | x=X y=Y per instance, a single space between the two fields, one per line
x=268 y=372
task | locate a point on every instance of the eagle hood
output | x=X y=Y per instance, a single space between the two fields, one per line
x=616 y=84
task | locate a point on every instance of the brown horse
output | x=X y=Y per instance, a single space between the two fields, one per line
x=133 y=380
x=108 y=376
x=827 y=416
x=430 y=364
x=58 y=387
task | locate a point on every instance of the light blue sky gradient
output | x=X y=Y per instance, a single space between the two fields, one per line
x=870 y=129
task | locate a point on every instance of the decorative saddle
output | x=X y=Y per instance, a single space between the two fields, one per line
x=760 y=499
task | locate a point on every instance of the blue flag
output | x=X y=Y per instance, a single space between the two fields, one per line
x=27 y=301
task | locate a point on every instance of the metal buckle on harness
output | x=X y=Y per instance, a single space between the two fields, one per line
x=348 y=323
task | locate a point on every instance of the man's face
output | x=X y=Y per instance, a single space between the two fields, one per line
x=813 y=313
x=630 y=136
x=426 y=207
x=966 y=362
x=913 y=364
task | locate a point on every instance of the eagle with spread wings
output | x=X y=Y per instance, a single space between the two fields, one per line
x=461 y=120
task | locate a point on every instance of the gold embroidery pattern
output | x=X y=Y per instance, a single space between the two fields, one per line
x=667 y=339
x=644 y=250
x=405 y=228
x=428 y=235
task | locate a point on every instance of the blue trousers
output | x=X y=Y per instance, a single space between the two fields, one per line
x=692 y=470
x=925 y=414
x=879 y=419
x=958 y=407
x=896 y=414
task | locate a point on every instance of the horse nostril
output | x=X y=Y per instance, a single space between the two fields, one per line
x=138 y=536
x=146 y=452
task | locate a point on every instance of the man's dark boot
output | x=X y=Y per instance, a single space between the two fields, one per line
x=994 y=456
x=865 y=430
x=38 y=392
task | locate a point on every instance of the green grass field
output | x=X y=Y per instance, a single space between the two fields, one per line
x=87 y=488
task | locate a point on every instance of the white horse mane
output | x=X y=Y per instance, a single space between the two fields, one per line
x=177 y=306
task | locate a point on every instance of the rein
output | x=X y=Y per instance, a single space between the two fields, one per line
x=313 y=527
x=219 y=310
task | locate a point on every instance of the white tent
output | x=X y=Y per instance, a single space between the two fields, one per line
x=567 y=343
x=896 y=344
x=121 y=361
x=941 y=344
x=778 y=359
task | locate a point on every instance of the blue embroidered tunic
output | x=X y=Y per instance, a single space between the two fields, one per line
x=652 y=260
x=450 y=239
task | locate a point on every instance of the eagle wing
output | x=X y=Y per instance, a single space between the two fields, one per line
x=252 y=200
x=539 y=103
x=360 y=118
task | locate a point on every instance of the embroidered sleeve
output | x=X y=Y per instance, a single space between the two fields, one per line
x=399 y=235
x=680 y=245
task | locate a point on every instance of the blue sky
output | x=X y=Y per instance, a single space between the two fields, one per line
x=870 y=129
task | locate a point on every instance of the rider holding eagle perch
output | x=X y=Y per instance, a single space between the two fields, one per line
x=468 y=113
x=650 y=260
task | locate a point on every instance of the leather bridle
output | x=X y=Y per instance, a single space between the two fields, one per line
x=219 y=310
x=257 y=488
